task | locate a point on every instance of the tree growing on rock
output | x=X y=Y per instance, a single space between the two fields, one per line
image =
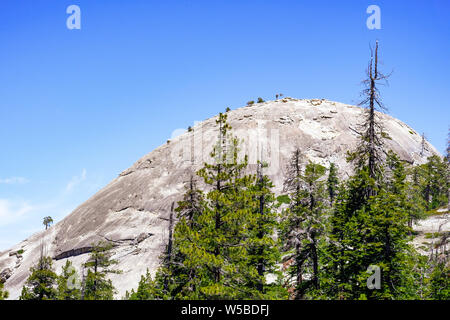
x=221 y=243
x=69 y=285
x=41 y=284
x=47 y=222
x=96 y=285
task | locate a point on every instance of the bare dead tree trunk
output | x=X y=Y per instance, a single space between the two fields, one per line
x=370 y=148
x=261 y=264
x=169 y=246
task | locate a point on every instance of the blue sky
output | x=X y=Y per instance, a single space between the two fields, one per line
x=77 y=107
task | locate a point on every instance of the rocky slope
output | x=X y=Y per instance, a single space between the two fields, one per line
x=132 y=211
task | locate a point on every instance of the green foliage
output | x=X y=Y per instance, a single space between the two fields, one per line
x=47 y=222
x=223 y=244
x=432 y=179
x=3 y=293
x=96 y=286
x=303 y=225
x=332 y=182
x=260 y=100
x=373 y=230
x=41 y=284
x=69 y=283
x=249 y=103
x=440 y=282
x=283 y=199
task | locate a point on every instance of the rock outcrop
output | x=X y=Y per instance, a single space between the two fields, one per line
x=132 y=211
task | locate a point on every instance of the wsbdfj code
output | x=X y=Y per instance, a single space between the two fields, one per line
x=229 y=309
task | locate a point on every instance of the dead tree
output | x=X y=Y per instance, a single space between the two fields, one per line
x=370 y=151
x=422 y=149
x=169 y=246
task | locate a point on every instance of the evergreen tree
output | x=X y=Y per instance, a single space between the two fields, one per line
x=146 y=289
x=304 y=221
x=332 y=182
x=69 y=286
x=41 y=284
x=47 y=222
x=372 y=231
x=222 y=244
x=440 y=281
x=217 y=247
x=291 y=226
x=96 y=286
x=434 y=178
x=264 y=251
x=415 y=202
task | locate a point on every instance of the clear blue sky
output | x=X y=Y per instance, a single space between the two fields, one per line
x=79 y=106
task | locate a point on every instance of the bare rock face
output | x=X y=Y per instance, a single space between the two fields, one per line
x=132 y=211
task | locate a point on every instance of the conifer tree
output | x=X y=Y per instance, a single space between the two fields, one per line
x=332 y=182
x=372 y=231
x=41 y=284
x=96 y=286
x=303 y=223
x=69 y=285
x=440 y=281
x=434 y=175
x=222 y=244
x=217 y=247
x=264 y=251
x=292 y=219
x=47 y=222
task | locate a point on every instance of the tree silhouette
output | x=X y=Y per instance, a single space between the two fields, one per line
x=47 y=222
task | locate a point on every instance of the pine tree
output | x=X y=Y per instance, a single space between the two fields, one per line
x=47 y=222
x=440 y=282
x=264 y=251
x=222 y=244
x=332 y=182
x=372 y=231
x=96 y=286
x=69 y=286
x=41 y=284
x=303 y=223
x=190 y=206
x=415 y=202
x=434 y=176
x=217 y=247
x=291 y=226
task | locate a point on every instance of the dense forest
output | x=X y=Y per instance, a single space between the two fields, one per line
x=323 y=238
